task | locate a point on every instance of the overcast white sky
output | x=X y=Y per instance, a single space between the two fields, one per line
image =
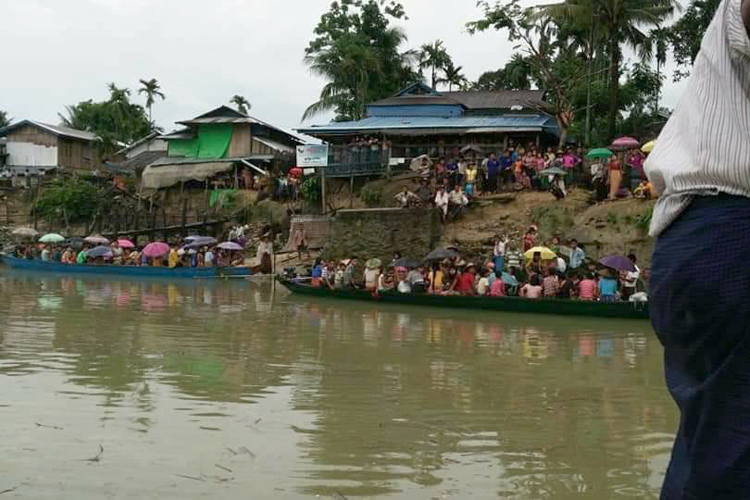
x=202 y=52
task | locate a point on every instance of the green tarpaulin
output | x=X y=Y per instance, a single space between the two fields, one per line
x=213 y=140
x=183 y=147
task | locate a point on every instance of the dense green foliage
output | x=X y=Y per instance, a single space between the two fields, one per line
x=358 y=52
x=116 y=121
x=686 y=34
x=435 y=58
x=74 y=199
x=372 y=194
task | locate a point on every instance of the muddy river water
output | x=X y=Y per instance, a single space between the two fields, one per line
x=146 y=389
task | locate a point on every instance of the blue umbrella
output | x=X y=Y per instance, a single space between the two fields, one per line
x=200 y=241
x=100 y=251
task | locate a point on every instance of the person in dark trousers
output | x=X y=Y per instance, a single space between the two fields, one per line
x=700 y=167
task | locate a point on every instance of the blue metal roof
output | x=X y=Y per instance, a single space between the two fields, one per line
x=465 y=124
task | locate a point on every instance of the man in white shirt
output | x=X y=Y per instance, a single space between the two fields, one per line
x=498 y=253
x=699 y=290
x=441 y=201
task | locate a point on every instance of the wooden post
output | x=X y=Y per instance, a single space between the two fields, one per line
x=323 y=190
x=236 y=180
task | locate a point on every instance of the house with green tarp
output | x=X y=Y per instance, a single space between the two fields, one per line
x=223 y=147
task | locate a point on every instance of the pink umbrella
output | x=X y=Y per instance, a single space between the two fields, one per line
x=95 y=239
x=625 y=143
x=231 y=246
x=125 y=243
x=156 y=249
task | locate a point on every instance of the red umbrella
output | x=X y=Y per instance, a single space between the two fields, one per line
x=156 y=249
x=625 y=143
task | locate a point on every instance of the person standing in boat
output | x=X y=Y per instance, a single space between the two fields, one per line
x=208 y=257
x=174 y=257
x=116 y=252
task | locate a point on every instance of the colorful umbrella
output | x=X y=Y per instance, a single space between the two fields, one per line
x=100 y=251
x=95 y=239
x=624 y=143
x=231 y=246
x=52 y=238
x=25 y=232
x=440 y=254
x=547 y=254
x=618 y=263
x=406 y=262
x=599 y=153
x=648 y=147
x=201 y=241
x=156 y=249
x=123 y=243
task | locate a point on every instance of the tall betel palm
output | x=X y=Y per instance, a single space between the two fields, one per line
x=152 y=90
x=243 y=105
x=434 y=57
x=453 y=76
x=621 y=22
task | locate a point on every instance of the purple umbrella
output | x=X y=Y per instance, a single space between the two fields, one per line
x=231 y=246
x=101 y=251
x=618 y=262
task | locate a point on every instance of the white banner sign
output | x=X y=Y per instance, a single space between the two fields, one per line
x=312 y=155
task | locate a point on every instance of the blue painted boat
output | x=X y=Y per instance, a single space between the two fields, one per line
x=135 y=271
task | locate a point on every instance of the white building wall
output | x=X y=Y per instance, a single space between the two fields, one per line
x=26 y=154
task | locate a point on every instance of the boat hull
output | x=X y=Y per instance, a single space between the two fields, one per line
x=132 y=271
x=626 y=310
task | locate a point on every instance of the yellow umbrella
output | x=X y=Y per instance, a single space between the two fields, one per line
x=547 y=254
x=648 y=146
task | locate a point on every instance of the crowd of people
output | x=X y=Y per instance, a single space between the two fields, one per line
x=451 y=184
x=206 y=256
x=512 y=270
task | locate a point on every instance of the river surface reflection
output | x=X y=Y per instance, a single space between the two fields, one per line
x=147 y=389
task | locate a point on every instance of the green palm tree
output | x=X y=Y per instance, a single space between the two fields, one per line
x=434 y=57
x=243 y=105
x=152 y=90
x=453 y=76
x=656 y=48
x=621 y=22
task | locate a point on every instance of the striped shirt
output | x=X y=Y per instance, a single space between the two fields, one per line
x=513 y=259
x=704 y=148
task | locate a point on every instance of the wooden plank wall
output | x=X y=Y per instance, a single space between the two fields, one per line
x=77 y=155
x=33 y=135
x=241 y=143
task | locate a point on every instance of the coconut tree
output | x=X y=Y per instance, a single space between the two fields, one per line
x=435 y=58
x=152 y=90
x=453 y=76
x=243 y=105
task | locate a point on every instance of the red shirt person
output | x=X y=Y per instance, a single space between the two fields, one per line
x=466 y=281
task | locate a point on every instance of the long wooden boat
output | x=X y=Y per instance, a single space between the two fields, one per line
x=137 y=271
x=627 y=310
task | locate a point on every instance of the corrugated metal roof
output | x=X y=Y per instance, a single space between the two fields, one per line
x=57 y=130
x=395 y=123
x=498 y=99
x=283 y=148
x=417 y=100
x=179 y=160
